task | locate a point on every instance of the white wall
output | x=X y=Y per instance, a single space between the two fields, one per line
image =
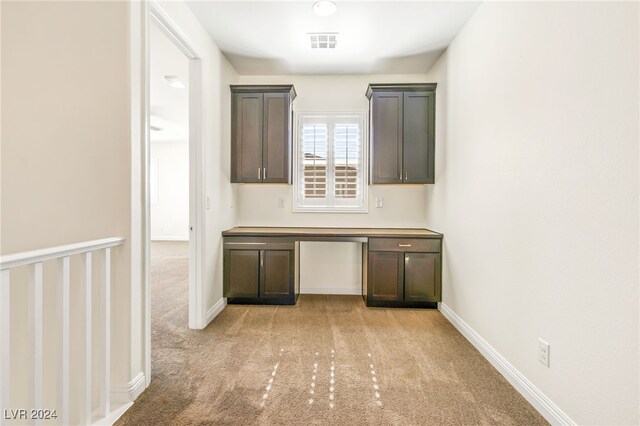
x=537 y=195
x=170 y=216
x=330 y=268
x=403 y=204
x=66 y=169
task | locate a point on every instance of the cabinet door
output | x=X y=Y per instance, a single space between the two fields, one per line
x=418 y=137
x=276 y=148
x=241 y=273
x=385 y=276
x=386 y=137
x=422 y=277
x=276 y=273
x=246 y=137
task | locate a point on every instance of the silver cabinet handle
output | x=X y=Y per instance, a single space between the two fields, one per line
x=264 y=172
x=406 y=175
x=404 y=245
x=259 y=176
x=400 y=177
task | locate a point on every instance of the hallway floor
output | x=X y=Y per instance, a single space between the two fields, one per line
x=329 y=359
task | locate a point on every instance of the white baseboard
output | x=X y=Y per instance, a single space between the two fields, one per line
x=128 y=392
x=168 y=238
x=540 y=401
x=213 y=311
x=341 y=290
x=115 y=414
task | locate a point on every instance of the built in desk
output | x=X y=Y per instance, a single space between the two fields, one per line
x=401 y=267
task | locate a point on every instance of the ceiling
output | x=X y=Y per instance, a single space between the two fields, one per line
x=375 y=37
x=169 y=105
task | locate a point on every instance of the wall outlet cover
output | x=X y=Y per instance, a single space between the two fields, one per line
x=543 y=352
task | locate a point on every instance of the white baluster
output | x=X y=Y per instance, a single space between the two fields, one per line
x=63 y=326
x=34 y=319
x=33 y=261
x=5 y=303
x=105 y=394
x=88 y=402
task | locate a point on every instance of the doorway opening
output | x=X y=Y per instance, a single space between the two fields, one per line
x=173 y=187
x=168 y=184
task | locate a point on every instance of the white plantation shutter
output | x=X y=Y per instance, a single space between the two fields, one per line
x=314 y=160
x=347 y=152
x=330 y=158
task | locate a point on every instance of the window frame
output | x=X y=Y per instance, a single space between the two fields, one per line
x=363 y=118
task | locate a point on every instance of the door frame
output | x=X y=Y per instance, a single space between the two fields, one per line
x=152 y=12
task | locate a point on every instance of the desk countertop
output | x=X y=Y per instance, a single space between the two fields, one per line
x=267 y=231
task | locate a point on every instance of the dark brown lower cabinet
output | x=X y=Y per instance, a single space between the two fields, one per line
x=242 y=274
x=385 y=276
x=421 y=277
x=259 y=276
x=276 y=273
x=403 y=271
x=403 y=278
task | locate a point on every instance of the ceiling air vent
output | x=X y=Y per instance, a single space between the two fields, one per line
x=323 y=40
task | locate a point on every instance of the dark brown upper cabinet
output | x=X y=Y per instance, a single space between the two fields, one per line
x=261 y=133
x=402 y=133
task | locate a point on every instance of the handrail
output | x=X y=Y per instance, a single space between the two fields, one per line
x=34 y=256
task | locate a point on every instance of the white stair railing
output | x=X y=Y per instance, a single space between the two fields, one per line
x=33 y=260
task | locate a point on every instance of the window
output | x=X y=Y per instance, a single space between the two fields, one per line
x=330 y=158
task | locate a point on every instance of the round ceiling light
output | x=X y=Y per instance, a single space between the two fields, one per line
x=174 y=81
x=324 y=8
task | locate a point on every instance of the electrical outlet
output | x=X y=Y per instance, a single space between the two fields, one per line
x=208 y=202
x=378 y=202
x=543 y=352
x=281 y=202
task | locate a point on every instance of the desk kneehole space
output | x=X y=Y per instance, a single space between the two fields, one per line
x=400 y=267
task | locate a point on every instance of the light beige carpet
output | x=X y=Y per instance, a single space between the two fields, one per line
x=329 y=359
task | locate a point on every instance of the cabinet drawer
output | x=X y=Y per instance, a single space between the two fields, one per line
x=424 y=245
x=250 y=243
